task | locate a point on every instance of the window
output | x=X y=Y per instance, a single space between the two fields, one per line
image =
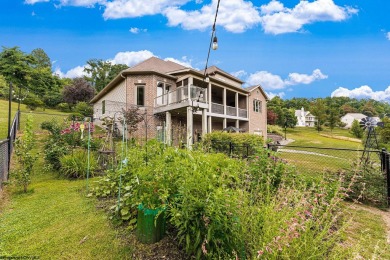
x=103 y=107
x=257 y=105
x=140 y=95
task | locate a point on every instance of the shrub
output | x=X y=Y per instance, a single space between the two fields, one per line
x=240 y=144
x=33 y=102
x=64 y=107
x=75 y=165
x=275 y=129
x=84 y=109
x=25 y=157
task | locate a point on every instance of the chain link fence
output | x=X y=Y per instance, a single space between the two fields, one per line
x=6 y=148
x=365 y=173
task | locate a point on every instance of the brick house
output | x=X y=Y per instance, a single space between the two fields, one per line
x=180 y=103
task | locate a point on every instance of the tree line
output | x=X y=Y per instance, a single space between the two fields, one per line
x=328 y=111
x=37 y=85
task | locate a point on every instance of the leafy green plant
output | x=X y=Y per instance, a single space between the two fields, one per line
x=84 y=109
x=275 y=129
x=25 y=156
x=75 y=165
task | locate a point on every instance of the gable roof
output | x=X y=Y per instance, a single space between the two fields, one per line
x=357 y=116
x=215 y=70
x=156 y=64
x=250 y=89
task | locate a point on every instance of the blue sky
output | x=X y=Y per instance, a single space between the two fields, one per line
x=292 y=48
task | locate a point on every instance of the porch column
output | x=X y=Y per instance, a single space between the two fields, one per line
x=224 y=101
x=247 y=107
x=190 y=127
x=210 y=125
x=237 y=104
x=190 y=83
x=204 y=121
x=238 y=123
x=209 y=97
x=168 y=128
x=224 y=123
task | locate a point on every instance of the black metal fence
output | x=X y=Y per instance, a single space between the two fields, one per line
x=366 y=173
x=6 y=148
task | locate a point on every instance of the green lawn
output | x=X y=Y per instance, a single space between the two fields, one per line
x=39 y=116
x=53 y=219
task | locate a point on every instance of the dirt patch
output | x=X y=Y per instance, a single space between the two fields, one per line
x=342 y=138
x=385 y=214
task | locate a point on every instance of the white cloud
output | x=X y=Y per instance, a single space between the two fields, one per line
x=234 y=15
x=135 y=8
x=239 y=74
x=267 y=80
x=136 y=30
x=270 y=81
x=76 y=72
x=84 y=3
x=296 y=78
x=362 y=93
x=278 y=19
x=31 y=2
x=272 y=7
x=271 y=95
x=388 y=36
x=130 y=58
x=184 y=61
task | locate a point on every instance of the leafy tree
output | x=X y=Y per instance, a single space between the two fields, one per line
x=15 y=65
x=41 y=59
x=132 y=116
x=369 y=110
x=333 y=118
x=102 y=72
x=346 y=108
x=80 y=90
x=290 y=119
x=4 y=89
x=318 y=108
x=271 y=117
x=356 y=130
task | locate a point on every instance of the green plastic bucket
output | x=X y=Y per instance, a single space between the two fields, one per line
x=150 y=224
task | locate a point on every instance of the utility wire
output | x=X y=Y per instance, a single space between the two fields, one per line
x=211 y=40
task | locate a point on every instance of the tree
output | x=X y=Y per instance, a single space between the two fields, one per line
x=290 y=119
x=41 y=59
x=356 y=130
x=369 y=110
x=15 y=65
x=333 y=118
x=318 y=108
x=271 y=117
x=101 y=72
x=80 y=90
x=132 y=116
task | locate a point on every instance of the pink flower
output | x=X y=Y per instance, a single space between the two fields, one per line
x=260 y=253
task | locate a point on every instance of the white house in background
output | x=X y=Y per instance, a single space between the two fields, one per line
x=350 y=117
x=305 y=118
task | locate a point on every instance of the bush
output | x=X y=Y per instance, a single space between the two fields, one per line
x=84 y=109
x=24 y=155
x=33 y=102
x=275 y=129
x=240 y=144
x=75 y=165
x=64 y=107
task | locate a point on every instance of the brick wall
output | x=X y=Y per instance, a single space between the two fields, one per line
x=257 y=120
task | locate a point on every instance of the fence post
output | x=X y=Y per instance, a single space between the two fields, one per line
x=230 y=149
x=9 y=125
x=383 y=159
x=387 y=172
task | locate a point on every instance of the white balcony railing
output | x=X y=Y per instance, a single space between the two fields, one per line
x=181 y=94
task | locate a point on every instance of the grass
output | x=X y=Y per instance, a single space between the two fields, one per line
x=52 y=220
x=367 y=233
x=45 y=115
